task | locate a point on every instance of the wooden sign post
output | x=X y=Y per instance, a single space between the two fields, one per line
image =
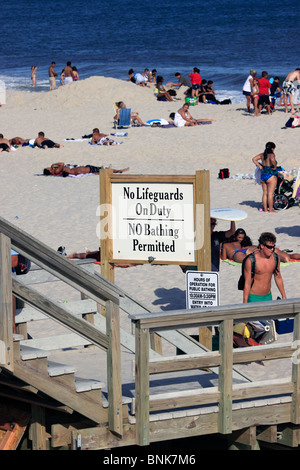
x=157 y=219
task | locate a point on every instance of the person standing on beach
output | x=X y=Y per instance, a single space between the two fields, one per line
x=264 y=92
x=52 y=75
x=247 y=88
x=68 y=72
x=216 y=239
x=258 y=287
x=266 y=162
x=196 y=79
x=33 y=74
x=289 y=89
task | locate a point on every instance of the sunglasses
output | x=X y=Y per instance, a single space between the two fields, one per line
x=270 y=247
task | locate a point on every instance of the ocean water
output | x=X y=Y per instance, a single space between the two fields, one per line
x=224 y=39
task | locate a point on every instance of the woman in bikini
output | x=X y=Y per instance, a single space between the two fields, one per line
x=238 y=247
x=255 y=96
x=266 y=162
x=33 y=74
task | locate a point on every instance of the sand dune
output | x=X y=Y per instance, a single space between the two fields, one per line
x=64 y=210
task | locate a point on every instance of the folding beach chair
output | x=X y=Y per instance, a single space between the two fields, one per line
x=124 y=119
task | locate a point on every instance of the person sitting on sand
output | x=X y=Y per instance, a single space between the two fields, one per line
x=44 y=143
x=240 y=245
x=183 y=117
x=134 y=115
x=160 y=92
x=62 y=169
x=101 y=139
x=4 y=144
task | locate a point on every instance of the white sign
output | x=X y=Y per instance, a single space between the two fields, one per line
x=202 y=289
x=153 y=221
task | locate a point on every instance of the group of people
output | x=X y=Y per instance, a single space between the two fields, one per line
x=62 y=169
x=40 y=141
x=239 y=246
x=68 y=74
x=195 y=87
x=143 y=78
x=262 y=92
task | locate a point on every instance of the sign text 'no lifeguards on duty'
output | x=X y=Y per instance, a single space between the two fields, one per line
x=153 y=221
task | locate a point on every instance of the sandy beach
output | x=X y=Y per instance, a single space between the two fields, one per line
x=63 y=211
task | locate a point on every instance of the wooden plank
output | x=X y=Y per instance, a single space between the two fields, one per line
x=199 y=317
x=295 y=409
x=106 y=243
x=38 y=428
x=142 y=385
x=203 y=238
x=13 y=425
x=225 y=376
x=267 y=434
x=58 y=313
x=114 y=380
x=61 y=388
x=184 y=399
x=186 y=362
x=77 y=307
x=6 y=304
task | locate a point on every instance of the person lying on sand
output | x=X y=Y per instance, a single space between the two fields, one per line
x=96 y=255
x=4 y=144
x=101 y=139
x=62 y=169
x=45 y=143
x=18 y=141
x=240 y=245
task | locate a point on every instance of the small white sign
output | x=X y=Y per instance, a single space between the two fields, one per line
x=153 y=221
x=202 y=289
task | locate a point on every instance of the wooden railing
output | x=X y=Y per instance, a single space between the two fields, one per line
x=224 y=358
x=94 y=287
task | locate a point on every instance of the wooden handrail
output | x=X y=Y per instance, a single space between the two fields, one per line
x=58 y=265
x=224 y=317
x=96 y=288
x=201 y=317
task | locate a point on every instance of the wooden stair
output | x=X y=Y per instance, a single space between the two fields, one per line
x=59 y=382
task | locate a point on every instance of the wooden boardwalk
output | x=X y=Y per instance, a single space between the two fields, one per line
x=92 y=372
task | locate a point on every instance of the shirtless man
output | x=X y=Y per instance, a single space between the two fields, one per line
x=260 y=289
x=52 y=75
x=68 y=72
x=44 y=143
x=101 y=139
x=288 y=89
x=61 y=169
x=18 y=141
x=4 y=144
